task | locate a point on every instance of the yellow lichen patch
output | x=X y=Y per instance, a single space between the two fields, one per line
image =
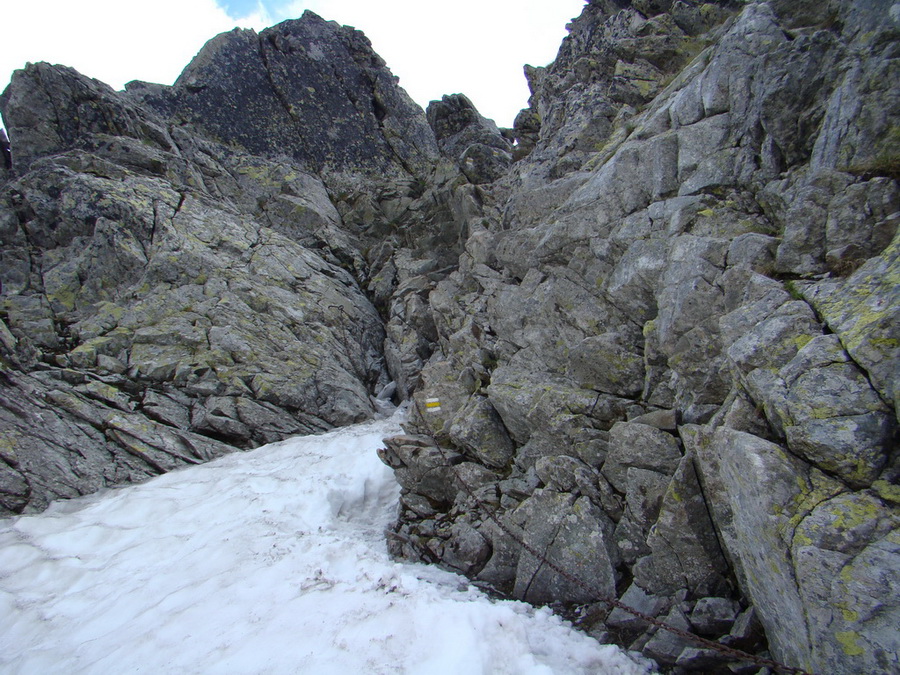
x=9 y=440
x=63 y=298
x=800 y=539
x=849 y=641
x=889 y=343
x=861 y=301
x=887 y=491
x=849 y=615
x=814 y=490
x=802 y=340
x=822 y=413
x=866 y=318
x=849 y=514
x=846 y=574
x=110 y=309
x=88 y=349
x=102 y=389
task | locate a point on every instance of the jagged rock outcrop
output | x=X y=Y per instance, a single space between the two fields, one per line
x=656 y=334
x=684 y=317
x=155 y=270
x=472 y=141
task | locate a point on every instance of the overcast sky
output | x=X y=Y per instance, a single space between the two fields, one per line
x=476 y=47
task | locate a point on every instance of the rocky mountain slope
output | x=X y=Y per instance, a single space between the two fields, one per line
x=654 y=325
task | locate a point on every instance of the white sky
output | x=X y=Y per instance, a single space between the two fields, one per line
x=476 y=47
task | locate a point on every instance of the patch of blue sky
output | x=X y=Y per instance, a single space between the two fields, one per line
x=238 y=9
x=268 y=12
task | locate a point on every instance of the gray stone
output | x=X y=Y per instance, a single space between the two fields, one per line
x=164 y=251
x=848 y=139
x=110 y=364
x=746 y=631
x=529 y=403
x=465 y=550
x=685 y=551
x=58 y=442
x=14 y=490
x=826 y=409
x=774 y=340
x=422 y=467
x=420 y=505
x=576 y=536
x=714 y=616
x=219 y=417
x=837 y=549
x=640 y=446
x=477 y=428
x=863 y=313
x=475 y=482
x=699 y=659
x=643 y=499
x=862 y=221
x=756 y=251
x=636 y=598
x=667 y=420
x=568 y=474
x=772 y=495
x=666 y=647
x=471 y=140
x=604 y=363
x=633 y=282
x=376 y=127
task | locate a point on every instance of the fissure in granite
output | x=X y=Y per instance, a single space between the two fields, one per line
x=659 y=314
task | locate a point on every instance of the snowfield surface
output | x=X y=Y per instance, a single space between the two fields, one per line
x=271 y=561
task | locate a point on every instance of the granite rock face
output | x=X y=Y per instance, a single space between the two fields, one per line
x=684 y=313
x=153 y=266
x=469 y=139
x=652 y=328
x=309 y=89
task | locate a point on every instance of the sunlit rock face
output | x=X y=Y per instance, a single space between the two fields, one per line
x=653 y=326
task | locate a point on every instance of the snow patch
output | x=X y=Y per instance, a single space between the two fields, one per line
x=271 y=561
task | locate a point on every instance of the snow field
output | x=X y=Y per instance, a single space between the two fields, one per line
x=271 y=561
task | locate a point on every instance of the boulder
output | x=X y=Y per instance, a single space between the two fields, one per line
x=666 y=647
x=862 y=312
x=632 y=444
x=478 y=429
x=577 y=537
x=422 y=467
x=776 y=505
x=277 y=92
x=472 y=141
x=636 y=598
x=643 y=499
x=684 y=548
x=714 y=616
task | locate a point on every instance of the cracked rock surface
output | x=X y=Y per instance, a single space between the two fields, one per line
x=155 y=270
x=683 y=316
